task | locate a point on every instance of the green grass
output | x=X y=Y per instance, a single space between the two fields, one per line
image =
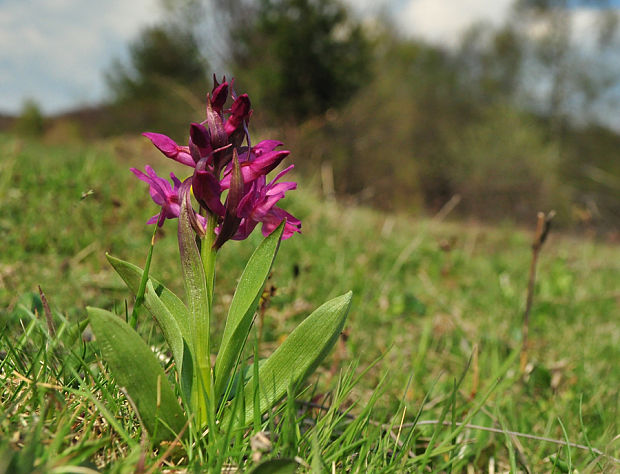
x=437 y=302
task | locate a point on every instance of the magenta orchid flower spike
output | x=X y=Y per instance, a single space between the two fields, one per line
x=229 y=179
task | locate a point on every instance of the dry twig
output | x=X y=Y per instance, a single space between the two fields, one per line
x=543 y=226
x=48 y=313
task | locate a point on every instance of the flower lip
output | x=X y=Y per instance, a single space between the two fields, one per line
x=261 y=160
x=207 y=189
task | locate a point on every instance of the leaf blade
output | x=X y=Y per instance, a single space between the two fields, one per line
x=300 y=353
x=132 y=275
x=170 y=313
x=178 y=340
x=243 y=306
x=136 y=368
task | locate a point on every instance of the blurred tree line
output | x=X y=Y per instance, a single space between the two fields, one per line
x=508 y=120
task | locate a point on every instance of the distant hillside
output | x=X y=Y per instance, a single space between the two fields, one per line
x=6 y=122
x=495 y=158
x=89 y=122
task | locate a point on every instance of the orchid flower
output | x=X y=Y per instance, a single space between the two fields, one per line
x=221 y=164
x=258 y=205
x=164 y=195
x=169 y=148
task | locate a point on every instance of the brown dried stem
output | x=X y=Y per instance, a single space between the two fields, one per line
x=543 y=226
x=48 y=313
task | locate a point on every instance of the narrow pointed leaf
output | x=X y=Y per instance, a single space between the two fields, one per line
x=136 y=368
x=199 y=305
x=179 y=340
x=170 y=314
x=299 y=354
x=132 y=275
x=243 y=307
x=191 y=263
x=133 y=322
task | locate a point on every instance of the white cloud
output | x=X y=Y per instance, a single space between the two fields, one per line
x=55 y=51
x=444 y=21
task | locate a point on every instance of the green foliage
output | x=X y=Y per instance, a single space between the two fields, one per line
x=302 y=57
x=242 y=308
x=138 y=371
x=198 y=299
x=290 y=364
x=470 y=279
x=30 y=122
x=171 y=315
x=298 y=356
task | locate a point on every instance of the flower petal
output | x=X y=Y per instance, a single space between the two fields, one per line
x=170 y=149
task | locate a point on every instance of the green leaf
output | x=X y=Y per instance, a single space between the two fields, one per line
x=243 y=307
x=195 y=283
x=199 y=304
x=136 y=368
x=133 y=322
x=171 y=315
x=132 y=275
x=179 y=340
x=276 y=466
x=299 y=354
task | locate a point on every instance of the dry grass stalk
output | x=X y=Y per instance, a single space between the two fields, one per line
x=543 y=226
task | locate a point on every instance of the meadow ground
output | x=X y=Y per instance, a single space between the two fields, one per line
x=436 y=320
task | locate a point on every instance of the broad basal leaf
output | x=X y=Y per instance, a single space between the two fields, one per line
x=132 y=274
x=179 y=340
x=299 y=354
x=171 y=315
x=136 y=368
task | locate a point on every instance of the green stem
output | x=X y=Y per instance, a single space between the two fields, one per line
x=206 y=401
x=133 y=321
x=208 y=254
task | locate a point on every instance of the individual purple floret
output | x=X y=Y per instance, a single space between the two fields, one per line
x=162 y=193
x=259 y=206
x=169 y=148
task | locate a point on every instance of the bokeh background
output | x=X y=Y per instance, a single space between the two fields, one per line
x=511 y=106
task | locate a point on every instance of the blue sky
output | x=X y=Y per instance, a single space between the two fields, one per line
x=56 y=51
x=594 y=3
